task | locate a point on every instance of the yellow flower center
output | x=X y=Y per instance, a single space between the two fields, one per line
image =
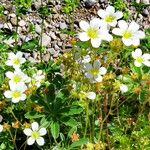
x=92 y=33
x=35 y=135
x=16 y=94
x=16 y=78
x=16 y=61
x=139 y=59
x=127 y=34
x=94 y=71
x=110 y=18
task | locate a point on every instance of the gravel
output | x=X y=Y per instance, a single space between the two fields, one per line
x=54 y=38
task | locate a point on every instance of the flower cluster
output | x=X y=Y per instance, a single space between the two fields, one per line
x=18 y=80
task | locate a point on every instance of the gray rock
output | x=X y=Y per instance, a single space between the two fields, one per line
x=53 y=36
x=13 y=21
x=38 y=28
x=63 y=25
x=51 y=50
x=145 y=12
x=89 y=3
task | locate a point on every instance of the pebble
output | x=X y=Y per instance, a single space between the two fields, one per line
x=45 y=40
x=89 y=3
x=38 y=28
x=53 y=36
x=51 y=50
x=8 y=26
x=21 y=23
x=145 y=12
x=13 y=21
x=63 y=25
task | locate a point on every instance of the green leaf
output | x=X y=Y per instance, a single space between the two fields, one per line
x=74 y=110
x=33 y=115
x=30 y=45
x=55 y=129
x=79 y=143
x=71 y=122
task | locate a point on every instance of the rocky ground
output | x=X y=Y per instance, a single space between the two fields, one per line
x=53 y=37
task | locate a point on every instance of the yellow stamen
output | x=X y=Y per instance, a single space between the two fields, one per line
x=127 y=34
x=16 y=61
x=16 y=78
x=94 y=71
x=35 y=135
x=139 y=59
x=110 y=18
x=92 y=33
x=16 y=94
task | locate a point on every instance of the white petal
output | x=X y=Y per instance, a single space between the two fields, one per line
x=102 y=70
x=91 y=95
x=123 y=88
x=1 y=118
x=96 y=64
x=119 y=14
x=19 y=54
x=23 y=97
x=140 y=34
x=11 y=55
x=30 y=141
x=107 y=37
x=146 y=56
x=110 y=9
x=40 y=141
x=7 y=94
x=137 y=64
x=135 y=42
x=1 y=128
x=83 y=36
x=21 y=87
x=42 y=131
x=113 y=24
x=147 y=63
x=137 y=53
x=88 y=75
x=86 y=59
x=123 y=24
x=96 y=42
x=117 y=31
x=27 y=131
x=8 y=63
x=22 y=60
x=9 y=74
x=84 y=25
x=99 y=78
x=102 y=13
x=35 y=126
x=88 y=67
x=127 y=42
x=96 y=23
x=133 y=26
x=15 y=100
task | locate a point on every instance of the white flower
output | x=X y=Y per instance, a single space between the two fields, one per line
x=16 y=92
x=86 y=59
x=35 y=134
x=123 y=88
x=91 y=95
x=37 y=78
x=96 y=31
x=17 y=77
x=1 y=128
x=131 y=34
x=110 y=16
x=140 y=59
x=94 y=72
x=1 y=118
x=15 y=60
